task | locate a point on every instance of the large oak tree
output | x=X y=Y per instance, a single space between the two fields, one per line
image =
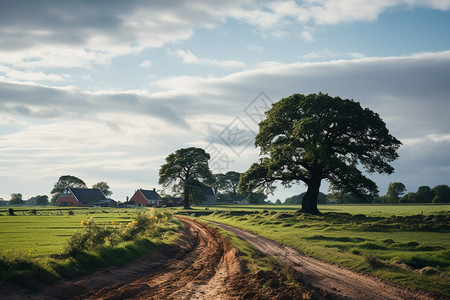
x=187 y=168
x=313 y=137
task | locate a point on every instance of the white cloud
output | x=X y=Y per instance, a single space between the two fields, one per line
x=328 y=54
x=146 y=64
x=189 y=58
x=255 y=48
x=68 y=131
x=61 y=34
x=306 y=35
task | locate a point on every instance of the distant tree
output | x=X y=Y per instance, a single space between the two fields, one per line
x=395 y=190
x=230 y=183
x=409 y=198
x=104 y=187
x=442 y=194
x=278 y=201
x=425 y=194
x=64 y=182
x=217 y=183
x=186 y=168
x=347 y=198
x=297 y=199
x=256 y=198
x=313 y=137
x=41 y=200
x=16 y=199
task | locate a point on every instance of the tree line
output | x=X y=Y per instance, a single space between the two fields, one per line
x=63 y=182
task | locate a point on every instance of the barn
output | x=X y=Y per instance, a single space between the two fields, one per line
x=78 y=197
x=146 y=198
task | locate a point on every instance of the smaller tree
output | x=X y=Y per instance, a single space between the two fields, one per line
x=16 y=199
x=188 y=169
x=395 y=190
x=104 y=187
x=41 y=200
x=256 y=198
x=442 y=194
x=65 y=182
x=230 y=183
x=217 y=182
x=425 y=194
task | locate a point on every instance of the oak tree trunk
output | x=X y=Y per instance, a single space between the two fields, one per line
x=186 y=197
x=309 y=202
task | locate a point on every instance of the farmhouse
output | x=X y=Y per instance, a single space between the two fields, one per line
x=83 y=198
x=146 y=198
x=210 y=198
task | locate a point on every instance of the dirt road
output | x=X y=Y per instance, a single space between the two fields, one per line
x=203 y=265
x=339 y=282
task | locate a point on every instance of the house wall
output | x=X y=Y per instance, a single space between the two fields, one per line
x=64 y=201
x=138 y=199
x=210 y=200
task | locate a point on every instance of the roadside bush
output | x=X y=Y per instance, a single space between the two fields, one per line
x=373 y=260
x=94 y=236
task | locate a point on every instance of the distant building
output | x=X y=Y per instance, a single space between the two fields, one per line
x=146 y=198
x=83 y=198
x=210 y=197
x=242 y=202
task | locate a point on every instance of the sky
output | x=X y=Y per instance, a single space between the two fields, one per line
x=105 y=90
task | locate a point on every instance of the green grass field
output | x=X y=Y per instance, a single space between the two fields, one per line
x=32 y=244
x=416 y=238
x=46 y=233
x=374 y=210
x=401 y=247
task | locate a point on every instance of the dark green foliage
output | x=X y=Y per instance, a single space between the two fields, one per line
x=10 y=211
x=40 y=200
x=188 y=170
x=313 y=137
x=297 y=199
x=16 y=199
x=442 y=194
x=104 y=187
x=64 y=182
x=395 y=190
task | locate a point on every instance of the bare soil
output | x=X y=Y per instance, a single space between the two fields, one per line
x=337 y=281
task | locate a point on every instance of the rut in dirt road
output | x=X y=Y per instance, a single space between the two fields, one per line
x=203 y=273
x=339 y=282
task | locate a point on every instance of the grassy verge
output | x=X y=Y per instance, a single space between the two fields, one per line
x=276 y=280
x=411 y=250
x=30 y=262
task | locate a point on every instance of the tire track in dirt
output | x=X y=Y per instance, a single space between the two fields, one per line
x=337 y=281
x=203 y=272
x=202 y=265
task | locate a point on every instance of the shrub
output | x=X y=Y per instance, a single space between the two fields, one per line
x=11 y=211
x=34 y=212
x=373 y=260
x=71 y=213
x=94 y=236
